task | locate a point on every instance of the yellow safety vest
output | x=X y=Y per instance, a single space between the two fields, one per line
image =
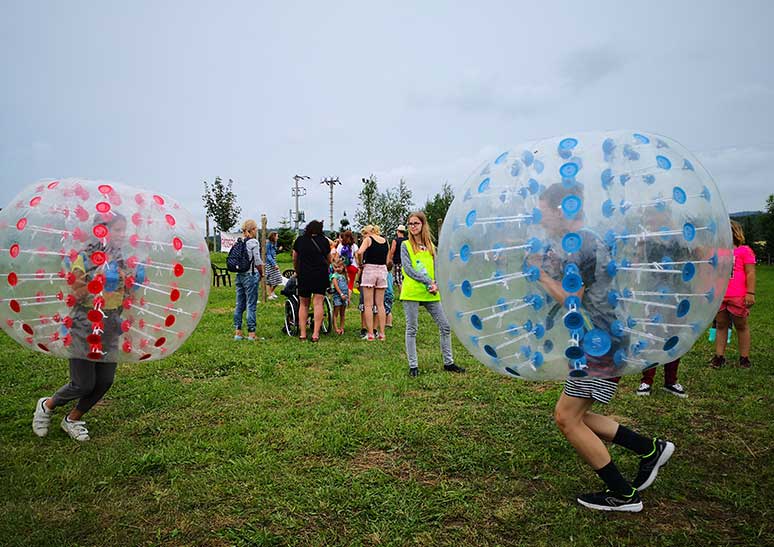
x=412 y=289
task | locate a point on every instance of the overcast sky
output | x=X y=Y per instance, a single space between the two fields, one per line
x=164 y=95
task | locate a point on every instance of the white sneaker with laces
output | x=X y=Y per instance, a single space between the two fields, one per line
x=644 y=389
x=76 y=429
x=676 y=390
x=41 y=420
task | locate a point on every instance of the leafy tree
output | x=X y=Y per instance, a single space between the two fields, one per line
x=768 y=225
x=369 y=197
x=285 y=235
x=393 y=208
x=436 y=208
x=220 y=204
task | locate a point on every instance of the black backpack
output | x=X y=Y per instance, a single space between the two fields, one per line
x=238 y=259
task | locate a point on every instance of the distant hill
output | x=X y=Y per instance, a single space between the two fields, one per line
x=741 y=214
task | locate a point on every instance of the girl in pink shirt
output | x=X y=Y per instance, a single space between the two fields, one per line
x=739 y=298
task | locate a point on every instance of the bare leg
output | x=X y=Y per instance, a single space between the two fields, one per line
x=743 y=332
x=380 y=313
x=368 y=302
x=721 y=334
x=317 y=304
x=303 y=316
x=570 y=414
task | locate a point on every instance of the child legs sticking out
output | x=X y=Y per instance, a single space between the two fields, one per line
x=586 y=432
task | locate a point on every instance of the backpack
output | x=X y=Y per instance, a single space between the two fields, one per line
x=238 y=259
x=346 y=254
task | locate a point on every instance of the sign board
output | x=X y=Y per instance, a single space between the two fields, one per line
x=227 y=240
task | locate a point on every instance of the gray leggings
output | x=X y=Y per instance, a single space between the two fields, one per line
x=89 y=381
x=411 y=310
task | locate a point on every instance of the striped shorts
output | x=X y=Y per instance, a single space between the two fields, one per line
x=599 y=389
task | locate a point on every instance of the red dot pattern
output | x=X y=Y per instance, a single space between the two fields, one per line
x=63 y=225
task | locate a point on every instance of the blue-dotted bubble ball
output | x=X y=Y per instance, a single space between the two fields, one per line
x=100 y=271
x=596 y=254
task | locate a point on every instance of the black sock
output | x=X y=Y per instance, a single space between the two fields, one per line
x=633 y=441
x=614 y=480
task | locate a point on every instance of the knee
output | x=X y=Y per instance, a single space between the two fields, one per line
x=411 y=330
x=84 y=387
x=741 y=325
x=722 y=322
x=445 y=329
x=564 y=420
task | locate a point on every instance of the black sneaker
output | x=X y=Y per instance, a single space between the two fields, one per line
x=744 y=362
x=610 y=501
x=413 y=372
x=675 y=389
x=650 y=464
x=453 y=368
x=363 y=334
x=718 y=361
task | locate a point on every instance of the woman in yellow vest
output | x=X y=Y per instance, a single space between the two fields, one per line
x=419 y=287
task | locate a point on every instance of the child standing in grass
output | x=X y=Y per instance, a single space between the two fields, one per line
x=739 y=298
x=339 y=282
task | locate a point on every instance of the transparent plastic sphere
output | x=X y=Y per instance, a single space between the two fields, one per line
x=598 y=254
x=100 y=271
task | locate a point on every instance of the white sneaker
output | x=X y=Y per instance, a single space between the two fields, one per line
x=644 y=389
x=41 y=420
x=77 y=429
x=273 y=297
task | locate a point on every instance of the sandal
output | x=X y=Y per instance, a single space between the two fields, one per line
x=315 y=339
x=302 y=338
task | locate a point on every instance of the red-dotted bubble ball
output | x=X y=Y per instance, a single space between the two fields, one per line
x=93 y=269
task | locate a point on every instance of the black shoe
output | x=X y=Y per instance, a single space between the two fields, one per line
x=610 y=501
x=453 y=368
x=363 y=334
x=718 y=361
x=744 y=362
x=413 y=372
x=650 y=464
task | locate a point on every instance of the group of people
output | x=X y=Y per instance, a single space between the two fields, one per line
x=321 y=263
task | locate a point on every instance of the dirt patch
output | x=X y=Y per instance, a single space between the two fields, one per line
x=392 y=464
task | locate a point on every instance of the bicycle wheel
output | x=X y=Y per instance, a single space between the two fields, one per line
x=291 y=318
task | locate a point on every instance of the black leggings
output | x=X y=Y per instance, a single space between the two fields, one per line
x=89 y=381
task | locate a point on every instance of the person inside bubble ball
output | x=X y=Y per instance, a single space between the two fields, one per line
x=739 y=298
x=586 y=430
x=91 y=375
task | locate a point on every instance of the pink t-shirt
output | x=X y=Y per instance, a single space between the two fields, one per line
x=737 y=285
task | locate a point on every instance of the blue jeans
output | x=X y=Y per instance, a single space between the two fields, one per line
x=246 y=299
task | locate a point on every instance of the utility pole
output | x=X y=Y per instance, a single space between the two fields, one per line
x=297 y=192
x=331 y=182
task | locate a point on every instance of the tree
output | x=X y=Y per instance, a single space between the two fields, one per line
x=436 y=208
x=344 y=223
x=369 y=197
x=285 y=235
x=768 y=225
x=394 y=207
x=220 y=204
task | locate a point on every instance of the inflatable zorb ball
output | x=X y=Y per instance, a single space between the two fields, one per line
x=589 y=255
x=100 y=271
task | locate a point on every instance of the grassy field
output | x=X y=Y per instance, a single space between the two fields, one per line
x=287 y=443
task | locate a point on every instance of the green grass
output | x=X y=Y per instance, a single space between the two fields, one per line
x=284 y=443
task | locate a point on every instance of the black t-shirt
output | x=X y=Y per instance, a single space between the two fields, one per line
x=312 y=260
x=376 y=253
x=398 y=242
